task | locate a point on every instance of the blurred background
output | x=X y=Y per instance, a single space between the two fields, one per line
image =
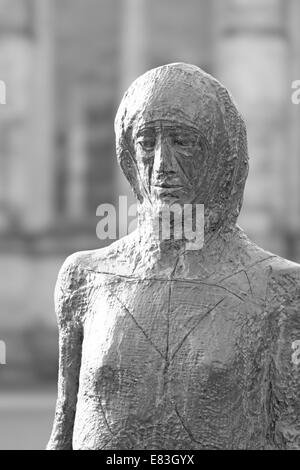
x=66 y=64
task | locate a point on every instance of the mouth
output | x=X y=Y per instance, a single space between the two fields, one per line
x=164 y=186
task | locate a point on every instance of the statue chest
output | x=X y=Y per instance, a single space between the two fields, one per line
x=158 y=320
x=149 y=331
x=158 y=355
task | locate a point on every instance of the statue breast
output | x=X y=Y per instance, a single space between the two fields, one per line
x=170 y=365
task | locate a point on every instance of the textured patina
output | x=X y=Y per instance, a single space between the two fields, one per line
x=167 y=348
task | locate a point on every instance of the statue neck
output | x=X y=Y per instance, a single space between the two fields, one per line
x=166 y=254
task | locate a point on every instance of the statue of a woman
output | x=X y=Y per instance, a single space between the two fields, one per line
x=166 y=347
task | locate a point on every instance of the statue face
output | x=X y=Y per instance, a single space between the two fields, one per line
x=181 y=140
x=169 y=157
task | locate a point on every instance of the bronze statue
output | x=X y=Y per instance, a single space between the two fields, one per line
x=164 y=347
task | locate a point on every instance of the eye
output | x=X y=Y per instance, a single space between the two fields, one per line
x=147 y=142
x=184 y=140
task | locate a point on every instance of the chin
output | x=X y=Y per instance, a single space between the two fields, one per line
x=173 y=197
x=169 y=200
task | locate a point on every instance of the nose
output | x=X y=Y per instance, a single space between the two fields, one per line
x=164 y=160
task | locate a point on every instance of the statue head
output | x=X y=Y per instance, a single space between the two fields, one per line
x=180 y=139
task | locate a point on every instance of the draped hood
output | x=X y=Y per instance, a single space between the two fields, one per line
x=191 y=96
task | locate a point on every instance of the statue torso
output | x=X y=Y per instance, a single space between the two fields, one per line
x=173 y=364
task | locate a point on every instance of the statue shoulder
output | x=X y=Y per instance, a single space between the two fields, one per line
x=78 y=275
x=71 y=273
x=283 y=295
x=68 y=293
x=76 y=268
x=112 y=258
x=284 y=277
x=72 y=289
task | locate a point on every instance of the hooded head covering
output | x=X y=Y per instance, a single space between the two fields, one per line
x=186 y=94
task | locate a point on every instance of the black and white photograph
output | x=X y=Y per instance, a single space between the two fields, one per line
x=150 y=227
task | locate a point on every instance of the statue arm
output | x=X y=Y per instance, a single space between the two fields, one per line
x=285 y=369
x=68 y=300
